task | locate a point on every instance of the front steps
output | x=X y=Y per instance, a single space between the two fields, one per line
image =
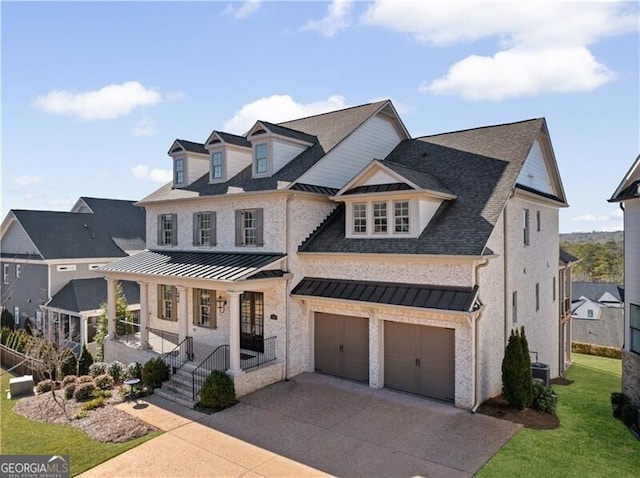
x=179 y=387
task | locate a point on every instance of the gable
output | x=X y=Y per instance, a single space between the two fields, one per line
x=535 y=173
x=15 y=240
x=629 y=187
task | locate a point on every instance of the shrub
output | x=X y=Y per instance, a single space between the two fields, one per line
x=70 y=365
x=117 y=370
x=94 y=403
x=84 y=391
x=154 y=372
x=6 y=320
x=102 y=393
x=81 y=414
x=85 y=379
x=516 y=372
x=628 y=414
x=544 y=398
x=98 y=368
x=217 y=391
x=85 y=361
x=69 y=390
x=134 y=370
x=69 y=379
x=103 y=382
x=45 y=386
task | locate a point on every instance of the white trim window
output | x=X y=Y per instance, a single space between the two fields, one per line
x=167 y=300
x=261 y=162
x=204 y=314
x=18 y=271
x=249 y=227
x=634 y=325
x=178 y=171
x=167 y=229
x=401 y=217
x=360 y=218
x=525 y=227
x=204 y=228
x=66 y=268
x=216 y=165
x=5 y=273
x=93 y=267
x=537 y=296
x=380 y=217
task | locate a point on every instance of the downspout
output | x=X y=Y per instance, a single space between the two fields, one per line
x=505 y=268
x=476 y=332
x=625 y=320
x=286 y=289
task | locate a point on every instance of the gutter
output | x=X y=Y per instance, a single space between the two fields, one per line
x=286 y=287
x=476 y=330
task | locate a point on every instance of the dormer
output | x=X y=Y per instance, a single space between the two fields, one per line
x=274 y=146
x=190 y=162
x=228 y=155
x=387 y=200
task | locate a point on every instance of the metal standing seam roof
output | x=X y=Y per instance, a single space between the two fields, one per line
x=459 y=299
x=222 y=266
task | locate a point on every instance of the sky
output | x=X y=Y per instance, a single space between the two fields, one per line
x=94 y=94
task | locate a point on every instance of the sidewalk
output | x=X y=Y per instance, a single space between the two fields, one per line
x=190 y=449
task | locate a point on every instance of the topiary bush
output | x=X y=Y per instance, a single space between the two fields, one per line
x=628 y=414
x=544 y=398
x=85 y=361
x=85 y=379
x=217 y=391
x=70 y=365
x=154 y=372
x=45 y=386
x=84 y=391
x=69 y=390
x=69 y=379
x=103 y=382
x=117 y=370
x=619 y=400
x=98 y=368
x=134 y=370
x=517 y=385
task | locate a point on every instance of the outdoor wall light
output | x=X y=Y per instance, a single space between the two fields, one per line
x=221 y=304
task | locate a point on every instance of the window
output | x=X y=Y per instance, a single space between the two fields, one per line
x=5 y=273
x=18 y=271
x=203 y=314
x=634 y=323
x=537 y=296
x=514 y=306
x=66 y=268
x=401 y=216
x=216 y=165
x=249 y=227
x=167 y=229
x=538 y=221
x=554 y=289
x=525 y=226
x=590 y=313
x=380 y=217
x=360 y=218
x=167 y=300
x=261 y=158
x=204 y=228
x=179 y=171
x=93 y=267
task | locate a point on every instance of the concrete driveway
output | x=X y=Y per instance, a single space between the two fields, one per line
x=314 y=425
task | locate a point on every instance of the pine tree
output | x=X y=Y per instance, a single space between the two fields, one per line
x=85 y=361
x=517 y=385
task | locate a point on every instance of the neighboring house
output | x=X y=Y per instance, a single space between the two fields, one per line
x=597 y=311
x=565 y=276
x=42 y=251
x=628 y=195
x=337 y=243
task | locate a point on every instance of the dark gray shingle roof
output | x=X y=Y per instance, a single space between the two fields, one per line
x=234 y=139
x=567 y=258
x=193 y=147
x=80 y=295
x=408 y=295
x=422 y=179
x=595 y=290
x=70 y=235
x=290 y=133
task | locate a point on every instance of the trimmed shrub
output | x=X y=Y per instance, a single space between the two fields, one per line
x=69 y=379
x=6 y=320
x=599 y=350
x=628 y=414
x=103 y=382
x=154 y=372
x=117 y=370
x=98 y=368
x=618 y=400
x=134 y=370
x=45 y=386
x=85 y=361
x=94 y=403
x=70 y=365
x=544 y=398
x=527 y=378
x=81 y=414
x=516 y=372
x=69 y=390
x=85 y=379
x=217 y=391
x=84 y=391
x=102 y=393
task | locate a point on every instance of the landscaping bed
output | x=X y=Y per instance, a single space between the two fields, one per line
x=498 y=407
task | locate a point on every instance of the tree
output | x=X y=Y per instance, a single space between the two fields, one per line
x=527 y=378
x=85 y=361
x=6 y=320
x=517 y=384
x=122 y=315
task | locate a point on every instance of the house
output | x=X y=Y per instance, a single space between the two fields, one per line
x=337 y=243
x=43 y=251
x=597 y=313
x=628 y=196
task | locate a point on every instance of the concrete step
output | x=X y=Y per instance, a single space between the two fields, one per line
x=176 y=398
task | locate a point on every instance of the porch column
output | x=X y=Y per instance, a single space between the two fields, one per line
x=144 y=314
x=234 y=332
x=183 y=318
x=111 y=307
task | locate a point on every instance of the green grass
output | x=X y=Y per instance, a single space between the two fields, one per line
x=589 y=441
x=20 y=436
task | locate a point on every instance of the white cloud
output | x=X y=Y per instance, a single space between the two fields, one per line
x=542 y=45
x=522 y=72
x=108 y=102
x=338 y=18
x=247 y=8
x=278 y=108
x=25 y=181
x=590 y=218
x=152 y=174
x=144 y=127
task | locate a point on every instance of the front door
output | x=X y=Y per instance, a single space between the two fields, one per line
x=252 y=321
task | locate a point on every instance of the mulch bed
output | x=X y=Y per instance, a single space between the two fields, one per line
x=498 y=407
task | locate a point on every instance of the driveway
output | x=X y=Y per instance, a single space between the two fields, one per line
x=316 y=423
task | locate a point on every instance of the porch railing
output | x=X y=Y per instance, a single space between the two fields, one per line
x=179 y=355
x=217 y=360
x=161 y=340
x=250 y=359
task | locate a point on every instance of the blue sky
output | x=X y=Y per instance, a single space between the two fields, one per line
x=93 y=94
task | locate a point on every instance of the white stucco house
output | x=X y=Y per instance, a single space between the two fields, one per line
x=628 y=196
x=339 y=244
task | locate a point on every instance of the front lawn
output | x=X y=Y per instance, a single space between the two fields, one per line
x=20 y=436
x=589 y=441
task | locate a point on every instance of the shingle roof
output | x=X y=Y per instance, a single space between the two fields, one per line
x=70 y=235
x=567 y=258
x=378 y=188
x=191 y=146
x=408 y=295
x=290 y=133
x=234 y=139
x=595 y=290
x=224 y=266
x=80 y=295
x=629 y=187
x=423 y=179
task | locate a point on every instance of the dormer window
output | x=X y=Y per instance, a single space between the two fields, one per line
x=260 y=160
x=372 y=218
x=216 y=165
x=178 y=171
x=401 y=216
x=360 y=218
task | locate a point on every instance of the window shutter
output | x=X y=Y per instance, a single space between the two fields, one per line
x=159 y=314
x=259 y=227
x=238 y=227
x=159 y=229
x=174 y=230
x=214 y=227
x=196 y=239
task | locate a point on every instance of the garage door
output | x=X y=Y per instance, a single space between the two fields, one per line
x=419 y=359
x=342 y=346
